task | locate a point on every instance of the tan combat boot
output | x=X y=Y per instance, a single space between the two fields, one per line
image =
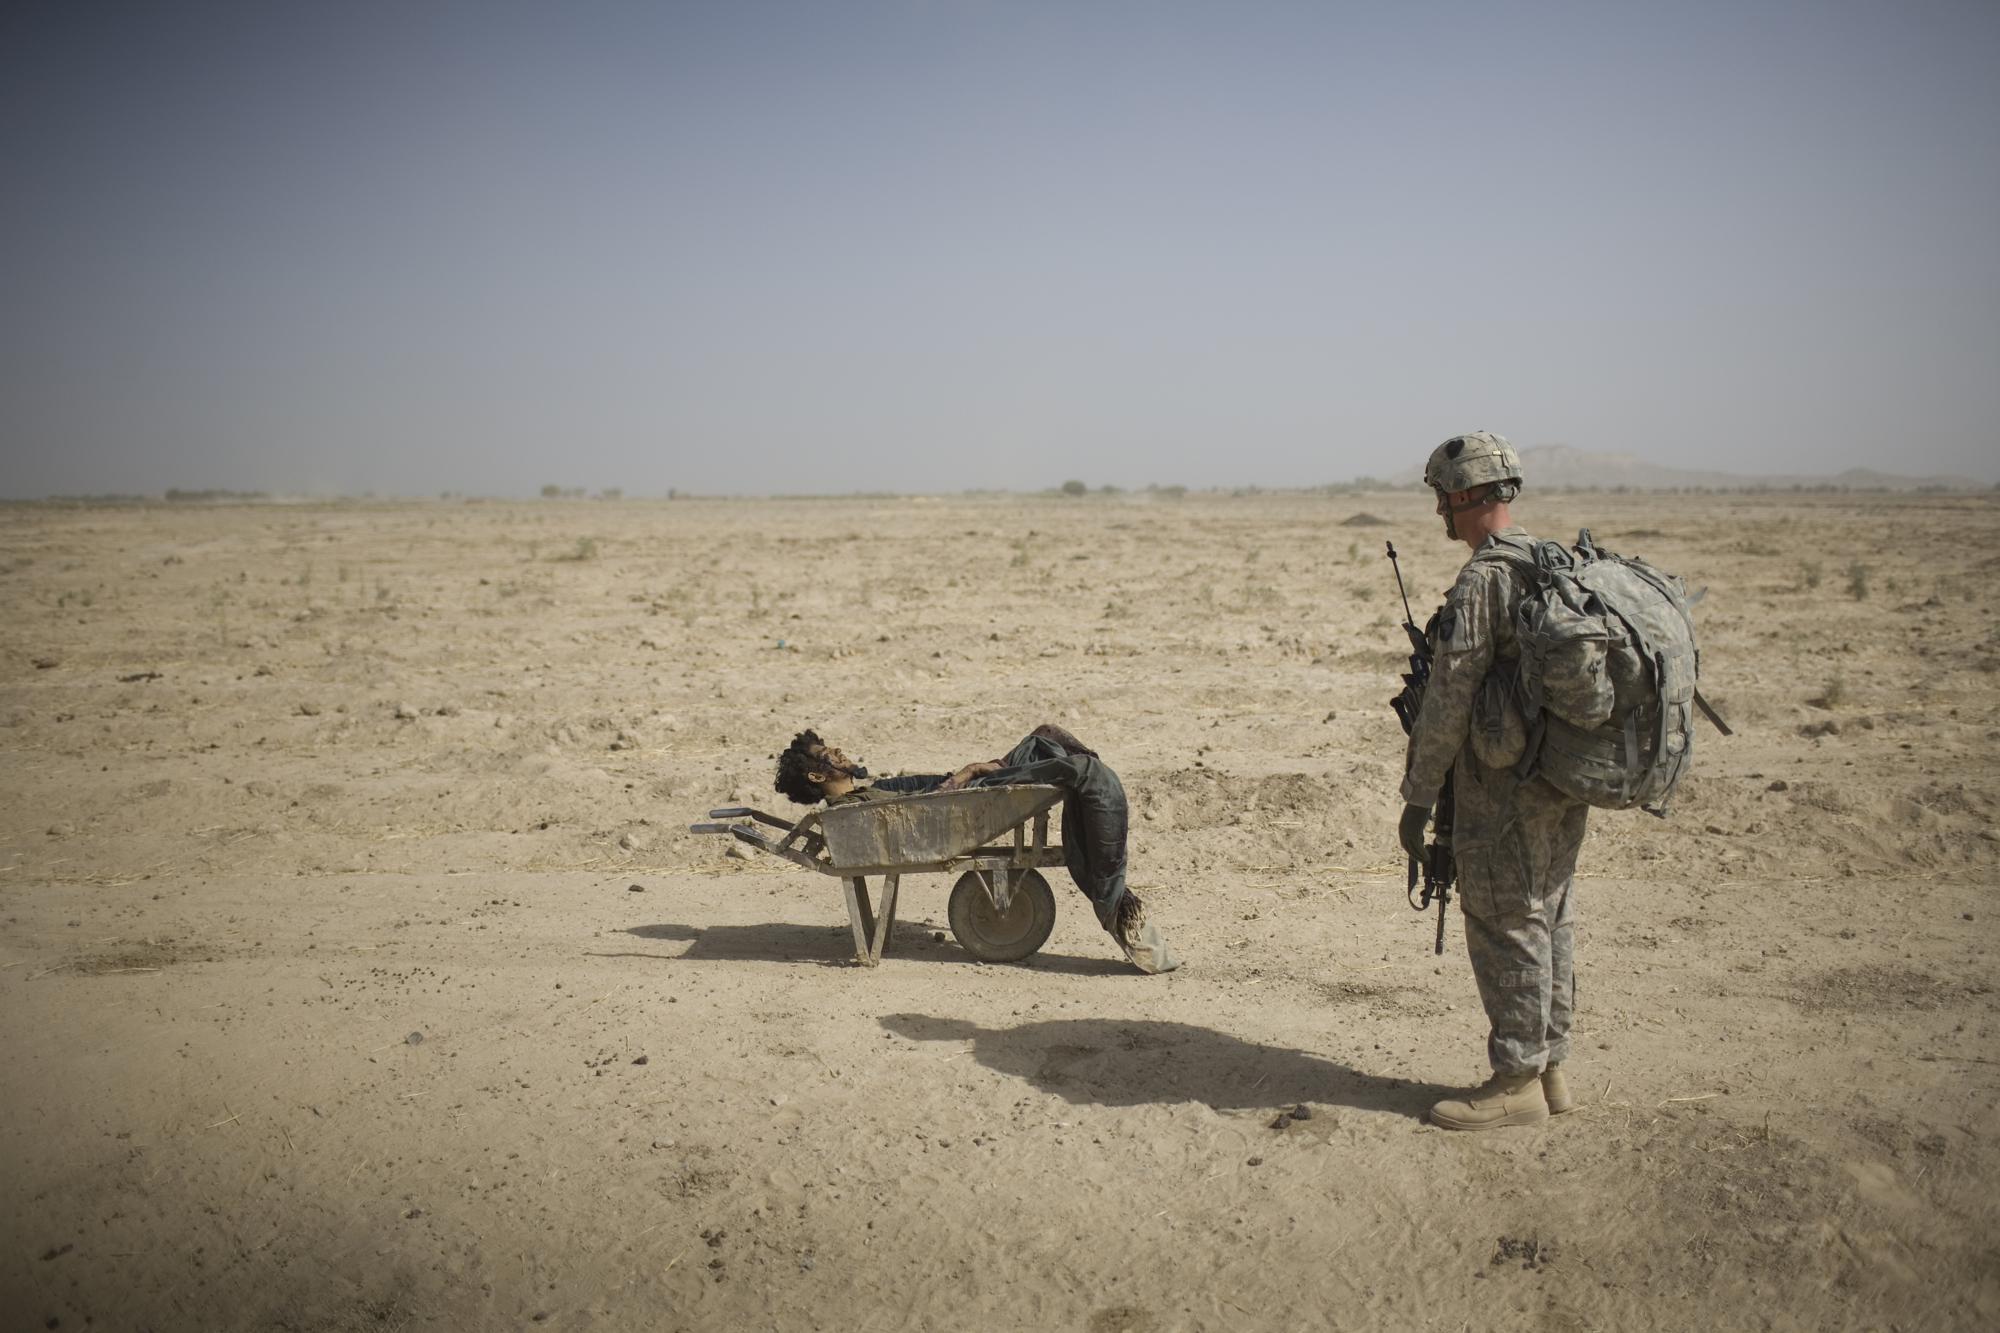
x=1503 y=1100
x=1555 y=1090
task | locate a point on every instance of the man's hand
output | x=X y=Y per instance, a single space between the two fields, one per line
x=1410 y=830
x=968 y=773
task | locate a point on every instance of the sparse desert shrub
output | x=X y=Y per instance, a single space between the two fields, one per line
x=552 y=491
x=585 y=549
x=1075 y=488
x=1833 y=694
x=1810 y=574
x=1857 y=581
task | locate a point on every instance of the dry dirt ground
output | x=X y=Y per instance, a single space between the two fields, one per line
x=359 y=971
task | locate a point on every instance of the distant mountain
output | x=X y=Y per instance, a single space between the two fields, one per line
x=1562 y=467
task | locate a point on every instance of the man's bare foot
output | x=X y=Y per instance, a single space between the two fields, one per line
x=1143 y=944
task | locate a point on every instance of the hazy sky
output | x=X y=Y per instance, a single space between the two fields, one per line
x=411 y=247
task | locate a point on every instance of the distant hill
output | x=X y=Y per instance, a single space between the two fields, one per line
x=1563 y=467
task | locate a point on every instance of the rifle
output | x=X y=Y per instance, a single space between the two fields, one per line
x=1438 y=870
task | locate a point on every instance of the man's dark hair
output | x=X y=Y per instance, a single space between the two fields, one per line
x=798 y=760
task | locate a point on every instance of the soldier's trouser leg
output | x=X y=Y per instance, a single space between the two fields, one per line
x=1517 y=891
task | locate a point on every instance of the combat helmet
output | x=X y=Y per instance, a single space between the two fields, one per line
x=1465 y=462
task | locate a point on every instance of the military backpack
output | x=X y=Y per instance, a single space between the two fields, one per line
x=1607 y=674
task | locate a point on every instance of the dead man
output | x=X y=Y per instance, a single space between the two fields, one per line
x=1093 y=822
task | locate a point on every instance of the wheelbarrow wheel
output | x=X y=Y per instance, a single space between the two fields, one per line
x=1002 y=937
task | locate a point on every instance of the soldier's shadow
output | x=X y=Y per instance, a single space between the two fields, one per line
x=1127 y=1062
x=833 y=946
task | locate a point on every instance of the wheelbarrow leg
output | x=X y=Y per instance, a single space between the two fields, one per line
x=885 y=916
x=861 y=916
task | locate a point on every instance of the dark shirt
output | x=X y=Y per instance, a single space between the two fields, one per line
x=888 y=789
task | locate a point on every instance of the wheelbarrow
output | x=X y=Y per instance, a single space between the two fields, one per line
x=1001 y=906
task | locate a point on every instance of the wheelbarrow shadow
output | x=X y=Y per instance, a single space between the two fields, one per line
x=1138 y=1062
x=833 y=946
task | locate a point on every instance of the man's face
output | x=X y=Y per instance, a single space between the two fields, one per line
x=1444 y=512
x=1452 y=503
x=830 y=760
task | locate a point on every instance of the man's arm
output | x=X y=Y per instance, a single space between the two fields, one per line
x=1467 y=633
x=968 y=773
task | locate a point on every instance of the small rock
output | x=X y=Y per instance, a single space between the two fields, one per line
x=641 y=1059
x=405 y=713
x=1282 y=1122
x=1302 y=1112
x=634 y=841
x=45 y=663
x=1779 y=785
x=937 y=937
x=737 y=850
x=635 y=888
x=415 y=1039
x=308 y=709
x=1254 y=1161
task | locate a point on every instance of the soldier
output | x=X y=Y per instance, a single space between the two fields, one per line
x=1516 y=840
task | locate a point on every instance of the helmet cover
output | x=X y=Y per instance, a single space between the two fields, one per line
x=1464 y=462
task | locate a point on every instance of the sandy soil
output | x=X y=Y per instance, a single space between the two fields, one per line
x=359 y=971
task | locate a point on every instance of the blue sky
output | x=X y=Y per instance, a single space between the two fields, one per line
x=743 y=247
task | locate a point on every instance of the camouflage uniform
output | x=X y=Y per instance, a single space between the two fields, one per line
x=1516 y=841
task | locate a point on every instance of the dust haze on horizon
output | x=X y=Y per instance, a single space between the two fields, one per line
x=933 y=245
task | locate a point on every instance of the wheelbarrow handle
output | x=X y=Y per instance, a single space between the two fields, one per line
x=745 y=812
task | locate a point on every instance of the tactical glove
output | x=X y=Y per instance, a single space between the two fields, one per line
x=1410 y=830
